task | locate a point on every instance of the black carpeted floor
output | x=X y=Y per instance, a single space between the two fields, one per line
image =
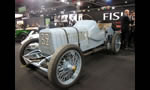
x=101 y=71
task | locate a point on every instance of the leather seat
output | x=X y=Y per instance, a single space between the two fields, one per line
x=104 y=26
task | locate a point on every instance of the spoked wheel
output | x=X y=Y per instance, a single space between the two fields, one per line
x=28 y=47
x=116 y=42
x=65 y=66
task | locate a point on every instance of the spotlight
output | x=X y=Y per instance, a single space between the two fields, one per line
x=113 y=7
x=108 y=0
x=83 y=10
x=79 y=3
x=126 y=2
x=62 y=0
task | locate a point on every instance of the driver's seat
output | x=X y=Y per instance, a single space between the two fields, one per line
x=104 y=26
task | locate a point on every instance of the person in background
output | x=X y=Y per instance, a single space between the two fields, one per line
x=132 y=29
x=125 y=21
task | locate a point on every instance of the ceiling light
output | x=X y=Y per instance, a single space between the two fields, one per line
x=79 y=3
x=83 y=10
x=108 y=0
x=62 y=0
x=113 y=7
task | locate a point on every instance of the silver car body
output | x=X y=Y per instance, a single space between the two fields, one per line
x=86 y=34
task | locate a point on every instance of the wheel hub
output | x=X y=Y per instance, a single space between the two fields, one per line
x=74 y=68
x=69 y=66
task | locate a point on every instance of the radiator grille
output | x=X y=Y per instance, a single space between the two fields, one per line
x=46 y=43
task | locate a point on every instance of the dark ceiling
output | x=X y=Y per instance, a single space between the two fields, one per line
x=57 y=5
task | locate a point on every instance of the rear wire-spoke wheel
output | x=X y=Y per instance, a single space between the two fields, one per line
x=65 y=66
x=116 y=42
x=28 y=47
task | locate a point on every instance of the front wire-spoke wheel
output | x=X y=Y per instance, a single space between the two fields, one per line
x=68 y=67
x=28 y=47
x=65 y=66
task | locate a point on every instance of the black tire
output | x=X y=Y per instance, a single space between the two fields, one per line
x=53 y=65
x=113 y=48
x=22 y=36
x=23 y=48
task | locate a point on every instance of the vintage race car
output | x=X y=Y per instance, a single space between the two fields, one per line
x=61 y=50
